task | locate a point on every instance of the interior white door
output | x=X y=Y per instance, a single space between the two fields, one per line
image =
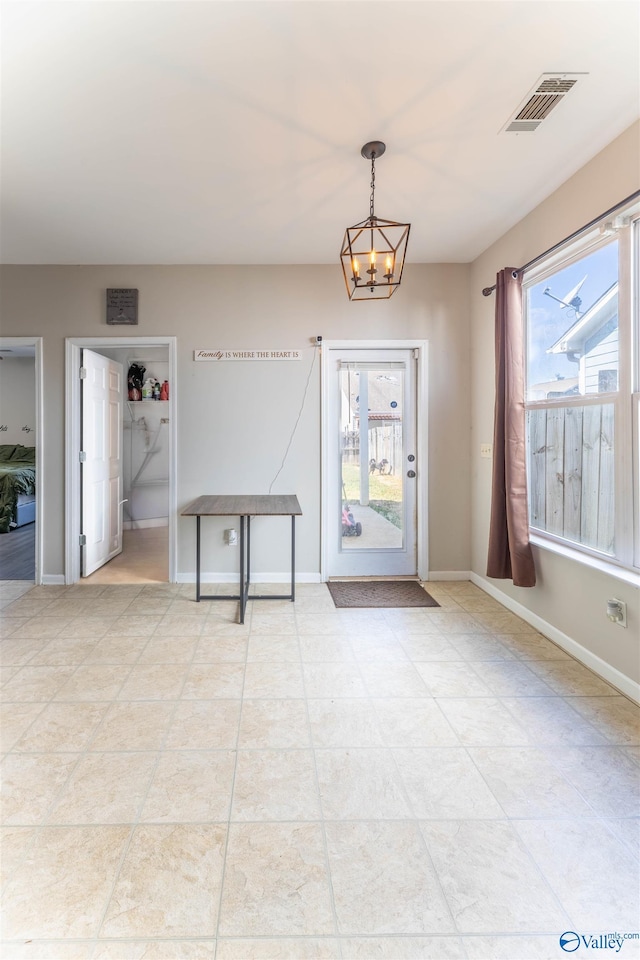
x=101 y=460
x=371 y=520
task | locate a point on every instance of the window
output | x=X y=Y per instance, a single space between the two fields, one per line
x=583 y=417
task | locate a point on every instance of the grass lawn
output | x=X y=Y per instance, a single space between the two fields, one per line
x=385 y=492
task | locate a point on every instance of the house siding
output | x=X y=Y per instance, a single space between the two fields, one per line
x=601 y=355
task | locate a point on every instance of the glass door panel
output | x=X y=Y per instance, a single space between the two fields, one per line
x=372 y=474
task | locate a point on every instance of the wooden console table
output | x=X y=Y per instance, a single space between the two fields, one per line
x=245 y=507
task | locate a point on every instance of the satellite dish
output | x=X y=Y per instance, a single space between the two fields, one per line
x=571 y=300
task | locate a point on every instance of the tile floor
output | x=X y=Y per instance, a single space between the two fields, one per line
x=144 y=559
x=317 y=783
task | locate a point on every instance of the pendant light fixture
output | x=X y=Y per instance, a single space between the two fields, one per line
x=373 y=251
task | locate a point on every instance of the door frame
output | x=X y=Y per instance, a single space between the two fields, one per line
x=36 y=342
x=73 y=348
x=421 y=352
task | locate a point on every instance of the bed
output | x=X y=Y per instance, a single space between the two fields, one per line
x=17 y=485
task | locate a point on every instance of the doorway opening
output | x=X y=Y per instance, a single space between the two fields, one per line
x=121 y=508
x=21 y=463
x=374 y=460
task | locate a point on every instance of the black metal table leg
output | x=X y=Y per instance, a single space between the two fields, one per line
x=198 y=559
x=293 y=558
x=242 y=590
x=248 y=552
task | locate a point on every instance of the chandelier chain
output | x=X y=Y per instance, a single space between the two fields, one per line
x=373 y=184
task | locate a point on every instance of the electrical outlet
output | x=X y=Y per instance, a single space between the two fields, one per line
x=617 y=611
x=486 y=450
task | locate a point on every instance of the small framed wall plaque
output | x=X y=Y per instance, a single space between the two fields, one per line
x=122 y=305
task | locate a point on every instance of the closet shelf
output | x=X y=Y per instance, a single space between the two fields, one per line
x=148 y=483
x=146 y=360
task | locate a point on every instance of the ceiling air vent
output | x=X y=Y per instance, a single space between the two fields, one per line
x=550 y=89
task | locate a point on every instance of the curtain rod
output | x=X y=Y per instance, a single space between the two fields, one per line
x=487 y=291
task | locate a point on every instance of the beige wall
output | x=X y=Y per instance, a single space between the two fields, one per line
x=235 y=419
x=569 y=596
x=18 y=400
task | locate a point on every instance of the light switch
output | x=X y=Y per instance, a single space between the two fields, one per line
x=486 y=450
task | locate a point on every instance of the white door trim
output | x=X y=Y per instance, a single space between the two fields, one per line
x=73 y=346
x=421 y=348
x=7 y=343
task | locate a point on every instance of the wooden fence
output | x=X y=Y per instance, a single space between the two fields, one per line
x=385 y=443
x=571 y=473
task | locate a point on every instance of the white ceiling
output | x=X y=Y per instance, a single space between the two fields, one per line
x=230 y=132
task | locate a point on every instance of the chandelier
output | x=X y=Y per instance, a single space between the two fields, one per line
x=373 y=251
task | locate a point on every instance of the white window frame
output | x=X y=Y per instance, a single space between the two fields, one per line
x=635 y=396
x=626 y=399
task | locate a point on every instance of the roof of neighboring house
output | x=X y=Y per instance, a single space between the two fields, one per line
x=605 y=307
x=548 y=389
x=383 y=416
x=384 y=389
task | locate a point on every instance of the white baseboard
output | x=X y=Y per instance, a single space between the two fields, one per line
x=234 y=577
x=143 y=524
x=53 y=579
x=609 y=673
x=449 y=575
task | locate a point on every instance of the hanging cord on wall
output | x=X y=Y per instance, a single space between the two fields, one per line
x=295 y=426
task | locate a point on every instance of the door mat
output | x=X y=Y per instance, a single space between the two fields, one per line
x=380 y=593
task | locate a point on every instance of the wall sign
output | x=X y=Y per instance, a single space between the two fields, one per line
x=247 y=354
x=122 y=305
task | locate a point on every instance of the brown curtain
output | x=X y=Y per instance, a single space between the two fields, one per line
x=510 y=556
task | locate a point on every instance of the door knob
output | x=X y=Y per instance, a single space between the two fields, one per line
x=411 y=473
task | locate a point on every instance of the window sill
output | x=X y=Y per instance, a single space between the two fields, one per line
x=623 y=574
